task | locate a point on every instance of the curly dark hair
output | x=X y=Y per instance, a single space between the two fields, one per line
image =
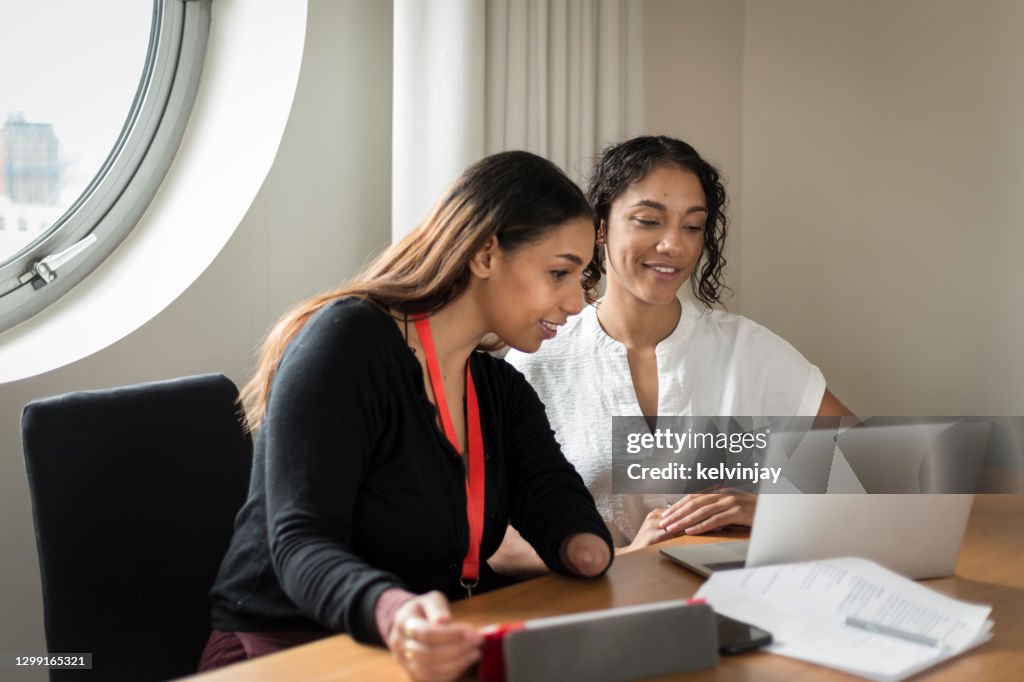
x=622 y=164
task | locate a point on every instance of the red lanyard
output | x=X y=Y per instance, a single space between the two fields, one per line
x=475 y=473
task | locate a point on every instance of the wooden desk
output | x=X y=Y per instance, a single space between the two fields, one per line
x=990 y=570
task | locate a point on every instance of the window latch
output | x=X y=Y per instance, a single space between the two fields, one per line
x=45 y=271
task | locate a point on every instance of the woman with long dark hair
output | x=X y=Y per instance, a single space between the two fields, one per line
x=389 y=456
x=643 y=349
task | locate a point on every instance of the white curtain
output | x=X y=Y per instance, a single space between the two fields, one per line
x=561 y=78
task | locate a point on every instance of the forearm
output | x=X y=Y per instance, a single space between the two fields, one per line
x=548 y=500
x=586 y=554
x=324 y=577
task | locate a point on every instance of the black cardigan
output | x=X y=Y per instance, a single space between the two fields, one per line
x=355 y=489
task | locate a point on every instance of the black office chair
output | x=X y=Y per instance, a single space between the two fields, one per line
x=134 y=494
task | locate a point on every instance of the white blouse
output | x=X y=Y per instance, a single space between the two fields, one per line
x=713 y=364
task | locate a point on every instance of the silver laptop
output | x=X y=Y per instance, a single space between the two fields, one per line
x=918 y=536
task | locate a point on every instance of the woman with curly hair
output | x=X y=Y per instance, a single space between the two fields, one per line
x=644 y=350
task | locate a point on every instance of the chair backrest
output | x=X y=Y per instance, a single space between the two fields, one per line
x=134 y=494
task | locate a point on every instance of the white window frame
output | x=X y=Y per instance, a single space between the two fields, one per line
x=118 y=196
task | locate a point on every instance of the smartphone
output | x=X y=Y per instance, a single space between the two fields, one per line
x=735 y=637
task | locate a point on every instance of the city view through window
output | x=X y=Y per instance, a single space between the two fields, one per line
x=71 y=71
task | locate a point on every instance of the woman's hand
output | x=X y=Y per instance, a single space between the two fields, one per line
x=427 y=645
x=702 y=512
x=585 y=554
x=650 y=532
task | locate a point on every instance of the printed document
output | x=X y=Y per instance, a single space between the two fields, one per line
x=850 y=614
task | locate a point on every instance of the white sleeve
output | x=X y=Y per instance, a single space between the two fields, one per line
x=793 y=386
x=813 y=393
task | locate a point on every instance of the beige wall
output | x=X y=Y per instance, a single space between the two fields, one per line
x=875 y=162
x=693 y=85
x=883 y=162
x=324 y=206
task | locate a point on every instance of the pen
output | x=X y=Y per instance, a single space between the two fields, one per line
x=892 y=632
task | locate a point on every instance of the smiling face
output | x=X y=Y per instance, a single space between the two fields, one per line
x=528 y=292
x=654 y=236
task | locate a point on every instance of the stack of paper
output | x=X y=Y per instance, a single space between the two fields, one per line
x=850 y=614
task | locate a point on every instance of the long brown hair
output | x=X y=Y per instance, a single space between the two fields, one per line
x=517 y=196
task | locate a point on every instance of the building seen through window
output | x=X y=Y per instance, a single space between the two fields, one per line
x=62 y=109
x=30 y=180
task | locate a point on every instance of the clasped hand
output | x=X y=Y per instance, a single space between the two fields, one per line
x=427 y=644
x=431 y=648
